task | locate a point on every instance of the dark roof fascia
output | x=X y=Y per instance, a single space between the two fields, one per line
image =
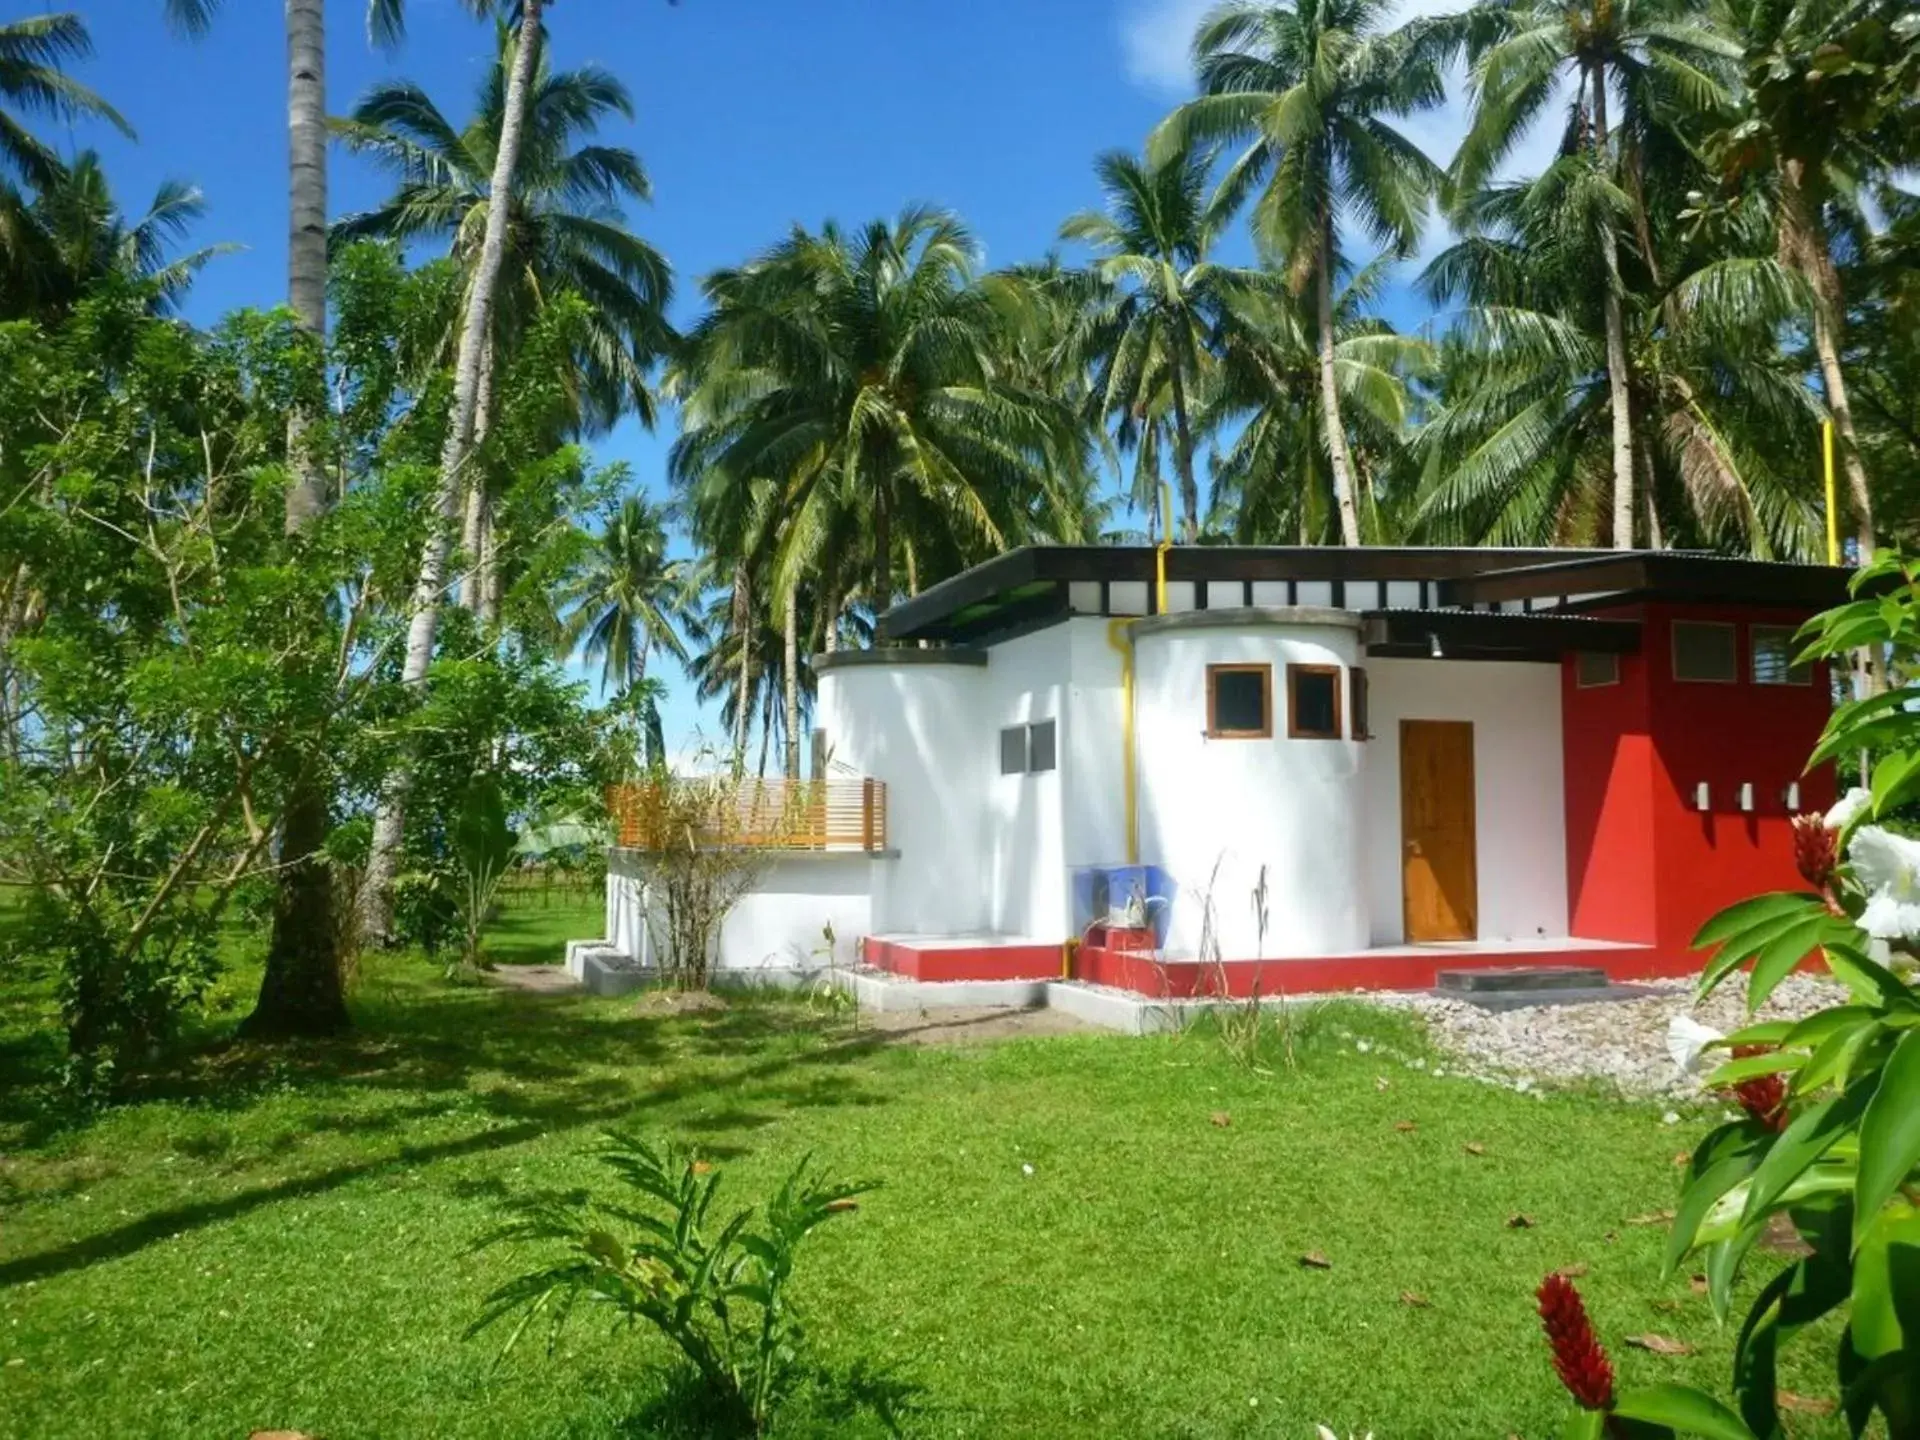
x=1484 y=635
x=1671 y=575
x=920 y=617
x=916 y=618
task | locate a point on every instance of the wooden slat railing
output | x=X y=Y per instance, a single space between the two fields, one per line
x=783 y=814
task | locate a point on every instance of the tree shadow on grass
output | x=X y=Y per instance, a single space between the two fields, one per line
x=576 y=1065
x=862 y=1399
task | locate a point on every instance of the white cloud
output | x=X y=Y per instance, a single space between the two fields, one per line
x=1155 y=36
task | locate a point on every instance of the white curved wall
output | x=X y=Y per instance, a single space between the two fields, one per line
x=1288 y=810
x=919 y=727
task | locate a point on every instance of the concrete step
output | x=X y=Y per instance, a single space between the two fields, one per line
x=1529 y=999
x=1528 y=978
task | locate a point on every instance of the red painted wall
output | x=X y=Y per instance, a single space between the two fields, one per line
x=1643 y=863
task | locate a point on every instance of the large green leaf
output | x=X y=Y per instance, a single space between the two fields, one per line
x=1867 y=980
x=1689 y=1411
x=1804 y=1141
x=1889 y=1133
x=1744 y=915
x=1881 y=1362
x=1721 y=1161
x=1833 y=1059
x=1584 y=1425
x=1786 y=950
x=1774 y=1062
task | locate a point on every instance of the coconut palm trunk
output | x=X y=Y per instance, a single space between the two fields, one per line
x=1183 y=433
x=1617 y=378
x=302 y=988
x=1337 y=454
x=742 y=622
x=476 y=529
x=1805 y=244
x=791 y=660
x=456 y=456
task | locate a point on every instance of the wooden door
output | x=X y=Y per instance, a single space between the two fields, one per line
x=1438 y=883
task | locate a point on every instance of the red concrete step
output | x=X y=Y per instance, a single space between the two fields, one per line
x=935 y=958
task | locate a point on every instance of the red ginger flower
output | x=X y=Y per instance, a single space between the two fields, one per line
x=1815 y=853
x=1577 y=1357
x=1765 y=1096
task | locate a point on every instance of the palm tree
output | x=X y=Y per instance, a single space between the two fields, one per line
x=32 y=54
x=1665 y=60
x=1271 y=481
x=73 y=235
x=1145 y=334
x=1519 y=446
x=871 y=375
x=566 y=236
x=566 y=227
x=455 y=457
x=1311 y=85
x=628 y=598
x=1807 y=138
x=302 y=989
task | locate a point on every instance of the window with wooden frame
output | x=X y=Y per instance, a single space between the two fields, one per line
x=1357 y=703
x=1239 y=702
x=1705 y=651
x=1313 y=702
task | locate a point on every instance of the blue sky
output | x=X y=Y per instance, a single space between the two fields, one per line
x=751 y=115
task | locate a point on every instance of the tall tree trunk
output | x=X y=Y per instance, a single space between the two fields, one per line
x=1337 y=453
x=1183 y=437
x=1617 y=397
x=830 y=608
x=1807 y=251
x=376 y=910
x=882 y=553
x=477 y=525
x=303 y=987
x=791 y=659
x=742 y=625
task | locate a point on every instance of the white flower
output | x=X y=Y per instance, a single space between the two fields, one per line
x=1848 y=808
x=1687 y=1041
x=1888 y=869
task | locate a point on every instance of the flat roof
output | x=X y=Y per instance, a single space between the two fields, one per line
x=1029 y=586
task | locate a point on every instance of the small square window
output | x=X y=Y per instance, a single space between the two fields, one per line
x=1013 y=750
x=1240 y=702
x=1773 y=651
x=1357 y=703
x=1040 y=746
x=1596 y=667
x=1704 y=651
x=1313 y=702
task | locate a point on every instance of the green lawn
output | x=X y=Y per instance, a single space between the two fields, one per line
x=280 y=1239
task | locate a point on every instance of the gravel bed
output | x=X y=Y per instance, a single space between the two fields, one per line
x=1621 y=1041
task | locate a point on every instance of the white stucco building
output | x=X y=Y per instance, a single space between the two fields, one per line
x=1312 y=757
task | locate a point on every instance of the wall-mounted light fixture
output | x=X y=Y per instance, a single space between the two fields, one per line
x=1792 y=797
x=1702 y=797
x=1746 y=797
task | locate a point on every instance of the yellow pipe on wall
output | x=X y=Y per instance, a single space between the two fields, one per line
x=1833 y=517
x=1160 y=550
x=1119 y=636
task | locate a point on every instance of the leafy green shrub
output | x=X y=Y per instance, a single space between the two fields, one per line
x=1829 y=1136
x=720 y=1295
